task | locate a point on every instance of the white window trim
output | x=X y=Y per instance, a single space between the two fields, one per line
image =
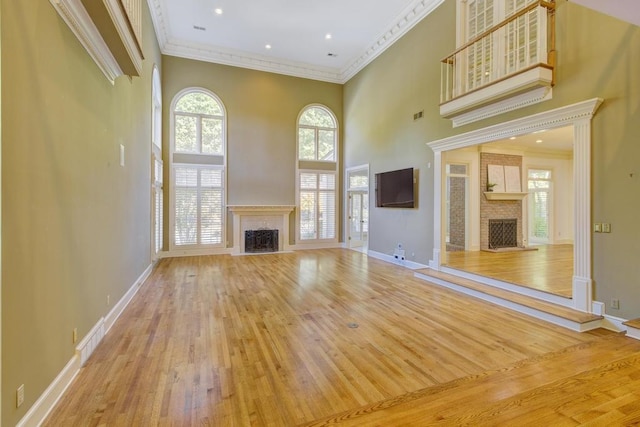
x=299 y=240
x=156 y=155
x=316 y=129
x=197 y=249
x=335 y=171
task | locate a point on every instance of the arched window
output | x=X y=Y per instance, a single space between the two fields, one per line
x=198 y=170
x=317 y=135
x=317 y=175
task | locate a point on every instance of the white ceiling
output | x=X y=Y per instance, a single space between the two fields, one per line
x=559 y=140
x=296 y=30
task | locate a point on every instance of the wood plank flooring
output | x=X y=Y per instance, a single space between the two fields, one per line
x=326 y=336
x=548 y=269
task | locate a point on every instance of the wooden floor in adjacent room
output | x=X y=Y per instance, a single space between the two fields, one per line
x=547 y=268
x=334 y=337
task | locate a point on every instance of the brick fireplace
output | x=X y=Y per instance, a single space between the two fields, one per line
x=498 y=209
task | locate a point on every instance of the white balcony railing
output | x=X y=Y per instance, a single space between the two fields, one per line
x=520 y=43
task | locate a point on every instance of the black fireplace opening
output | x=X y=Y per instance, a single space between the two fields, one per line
x=503 y=233
x=262 y=240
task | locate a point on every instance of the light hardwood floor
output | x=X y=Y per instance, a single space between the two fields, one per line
x=270 y=340
x=548 y=269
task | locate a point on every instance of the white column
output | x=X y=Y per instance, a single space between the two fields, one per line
x=437 y=210
x=582 y=281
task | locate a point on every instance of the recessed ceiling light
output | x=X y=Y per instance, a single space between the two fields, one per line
x=267 y=46
x=328 y=36
x=512 y=138
x=217 y=11
x=538 y=141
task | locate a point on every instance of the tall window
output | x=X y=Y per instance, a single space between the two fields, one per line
x=539 y=184
x=157 y=219
x=198 y=170
x=317 y=174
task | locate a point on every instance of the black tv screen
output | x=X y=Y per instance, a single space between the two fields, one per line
x=394 y=189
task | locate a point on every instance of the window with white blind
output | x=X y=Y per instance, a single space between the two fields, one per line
x=317 y=174
x=539 y=185
x=198 y=170
x=317 y=205
x=158 y=199
x=157 y=196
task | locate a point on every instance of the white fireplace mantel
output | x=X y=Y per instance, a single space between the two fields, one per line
x=248 y=217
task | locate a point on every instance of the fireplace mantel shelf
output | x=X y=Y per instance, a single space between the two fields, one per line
x=495 y=195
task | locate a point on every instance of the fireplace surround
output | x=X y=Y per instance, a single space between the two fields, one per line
x=260 y=217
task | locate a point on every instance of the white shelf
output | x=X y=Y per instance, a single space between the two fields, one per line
x=494 y=195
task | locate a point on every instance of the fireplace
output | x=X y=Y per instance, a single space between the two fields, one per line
x=256 y=241
x=261 y=218
x=503 y=233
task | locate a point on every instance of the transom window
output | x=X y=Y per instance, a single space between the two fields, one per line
x=317 y=135
x=199 y=122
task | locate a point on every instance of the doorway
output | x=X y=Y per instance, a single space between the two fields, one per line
x=357 y=215
x=456 y=207
x=578 y=116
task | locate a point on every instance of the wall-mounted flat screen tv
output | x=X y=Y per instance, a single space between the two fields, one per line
x=394 y=189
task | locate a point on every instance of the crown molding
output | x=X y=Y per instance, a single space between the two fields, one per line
x=237 y=58
x=414 y=13
x=169 y=45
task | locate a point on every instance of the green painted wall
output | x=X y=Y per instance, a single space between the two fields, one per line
x=76 y=224
x=262 y=113
x=597 y=56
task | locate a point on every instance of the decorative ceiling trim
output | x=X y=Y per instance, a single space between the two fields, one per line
x=242 y=59
x=418 y=10
x=169 y=45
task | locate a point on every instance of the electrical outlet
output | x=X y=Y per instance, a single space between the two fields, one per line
x=597 y=227
x=615 y=303
x=606 y=227
x=20 y=396
x=75 y=335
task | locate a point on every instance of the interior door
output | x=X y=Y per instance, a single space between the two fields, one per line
x=358 y=218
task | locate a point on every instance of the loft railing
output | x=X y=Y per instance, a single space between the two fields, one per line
x=133 y=10
x=522 y=41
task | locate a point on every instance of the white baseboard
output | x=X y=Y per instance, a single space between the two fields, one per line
x=48 y=399
x=412 y=265
x=322 y=245
x=613 y=323
x=176 y=253
x=119 y=307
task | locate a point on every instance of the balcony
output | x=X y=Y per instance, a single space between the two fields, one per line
x=110 y=31
x=508 y=66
